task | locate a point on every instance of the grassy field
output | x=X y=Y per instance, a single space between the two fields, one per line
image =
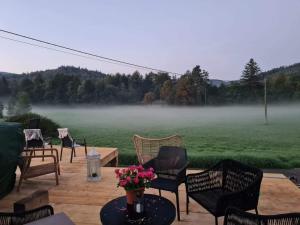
x=209 y=133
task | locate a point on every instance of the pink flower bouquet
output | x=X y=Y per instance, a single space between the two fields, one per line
x=134 y=177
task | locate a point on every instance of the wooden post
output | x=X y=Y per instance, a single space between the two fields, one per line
x=205 y=95
x=265 y=100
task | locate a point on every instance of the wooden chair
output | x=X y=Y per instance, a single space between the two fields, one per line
x=34 y=139
x=34 y=123
x=68 y=142
x=30 y=171
x=148 y=148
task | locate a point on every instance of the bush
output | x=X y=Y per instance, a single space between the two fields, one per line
x=47 y=126
x=126 y=159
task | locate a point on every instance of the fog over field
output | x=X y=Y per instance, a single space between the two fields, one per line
x=140 y=117
x=209 y=133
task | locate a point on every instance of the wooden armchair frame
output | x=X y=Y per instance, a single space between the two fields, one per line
x=28 y=171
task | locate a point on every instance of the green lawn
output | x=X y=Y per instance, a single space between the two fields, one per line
x=209 y=134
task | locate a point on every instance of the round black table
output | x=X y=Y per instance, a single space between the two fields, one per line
x=158 y=211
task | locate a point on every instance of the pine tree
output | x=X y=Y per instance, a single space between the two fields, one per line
x=200 y=81
x=250 y=76
x=166 y=91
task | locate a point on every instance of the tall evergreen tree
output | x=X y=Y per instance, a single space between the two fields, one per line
x=250 y=76
x=166 y=92
x=200 y=82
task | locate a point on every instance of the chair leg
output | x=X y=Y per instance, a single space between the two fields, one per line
x=159 y=191
x=43 y=159
x=216 y=220
x=85 y=149
x=20 y=182
x=61 y=150
x=256 y=211
x=187 y=204
x=72 y=153
x=58 y=169
x=56 y=177
x=57 y=165
x=177 y=206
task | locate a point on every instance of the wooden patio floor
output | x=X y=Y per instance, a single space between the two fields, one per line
x=82 y=200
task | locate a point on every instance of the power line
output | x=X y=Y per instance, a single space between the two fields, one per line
x=88 y=53
x=57 y=50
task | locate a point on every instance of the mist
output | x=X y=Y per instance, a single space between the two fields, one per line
x=162 y=117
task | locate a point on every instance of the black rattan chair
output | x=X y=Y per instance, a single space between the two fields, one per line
x=25 y=217
x=227 y=184
x=235 y=216
x=170 y=167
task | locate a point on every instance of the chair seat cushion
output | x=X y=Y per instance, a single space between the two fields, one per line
x=164 y=184
x=208 y=199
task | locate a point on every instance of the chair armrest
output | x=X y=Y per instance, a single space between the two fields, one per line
x=177 y=172
x=206 y=180
x=41 y=156
x=44 y=150
x=149 y=164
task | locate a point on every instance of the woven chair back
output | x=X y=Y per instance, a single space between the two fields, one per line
x=235 y=216
x=148 y=148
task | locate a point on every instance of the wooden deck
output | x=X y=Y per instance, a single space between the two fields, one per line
x=82 y=200
x=109 y=156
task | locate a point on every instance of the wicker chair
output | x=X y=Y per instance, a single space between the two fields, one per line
x=170 y=167
x=25 y=217
x=68 y=142
x=30 y=171
x=229 y=183
x=147 y=148
x=235 y=216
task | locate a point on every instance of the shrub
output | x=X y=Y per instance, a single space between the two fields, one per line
x=47 y=126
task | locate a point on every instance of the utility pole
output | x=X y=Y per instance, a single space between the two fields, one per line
x=265 y=100
x=205 y=95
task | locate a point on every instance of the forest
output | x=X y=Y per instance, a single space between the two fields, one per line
x=72 y=85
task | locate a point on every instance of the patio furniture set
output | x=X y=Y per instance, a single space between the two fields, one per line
x=36 y=143
x=227 y=189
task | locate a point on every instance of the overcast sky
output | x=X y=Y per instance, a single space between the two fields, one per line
x=173 y=35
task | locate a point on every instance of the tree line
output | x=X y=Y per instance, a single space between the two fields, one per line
x=70 y=85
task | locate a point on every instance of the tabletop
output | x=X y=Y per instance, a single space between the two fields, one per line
x=158 y=211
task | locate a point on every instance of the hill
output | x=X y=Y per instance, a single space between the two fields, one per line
x=291 y=70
